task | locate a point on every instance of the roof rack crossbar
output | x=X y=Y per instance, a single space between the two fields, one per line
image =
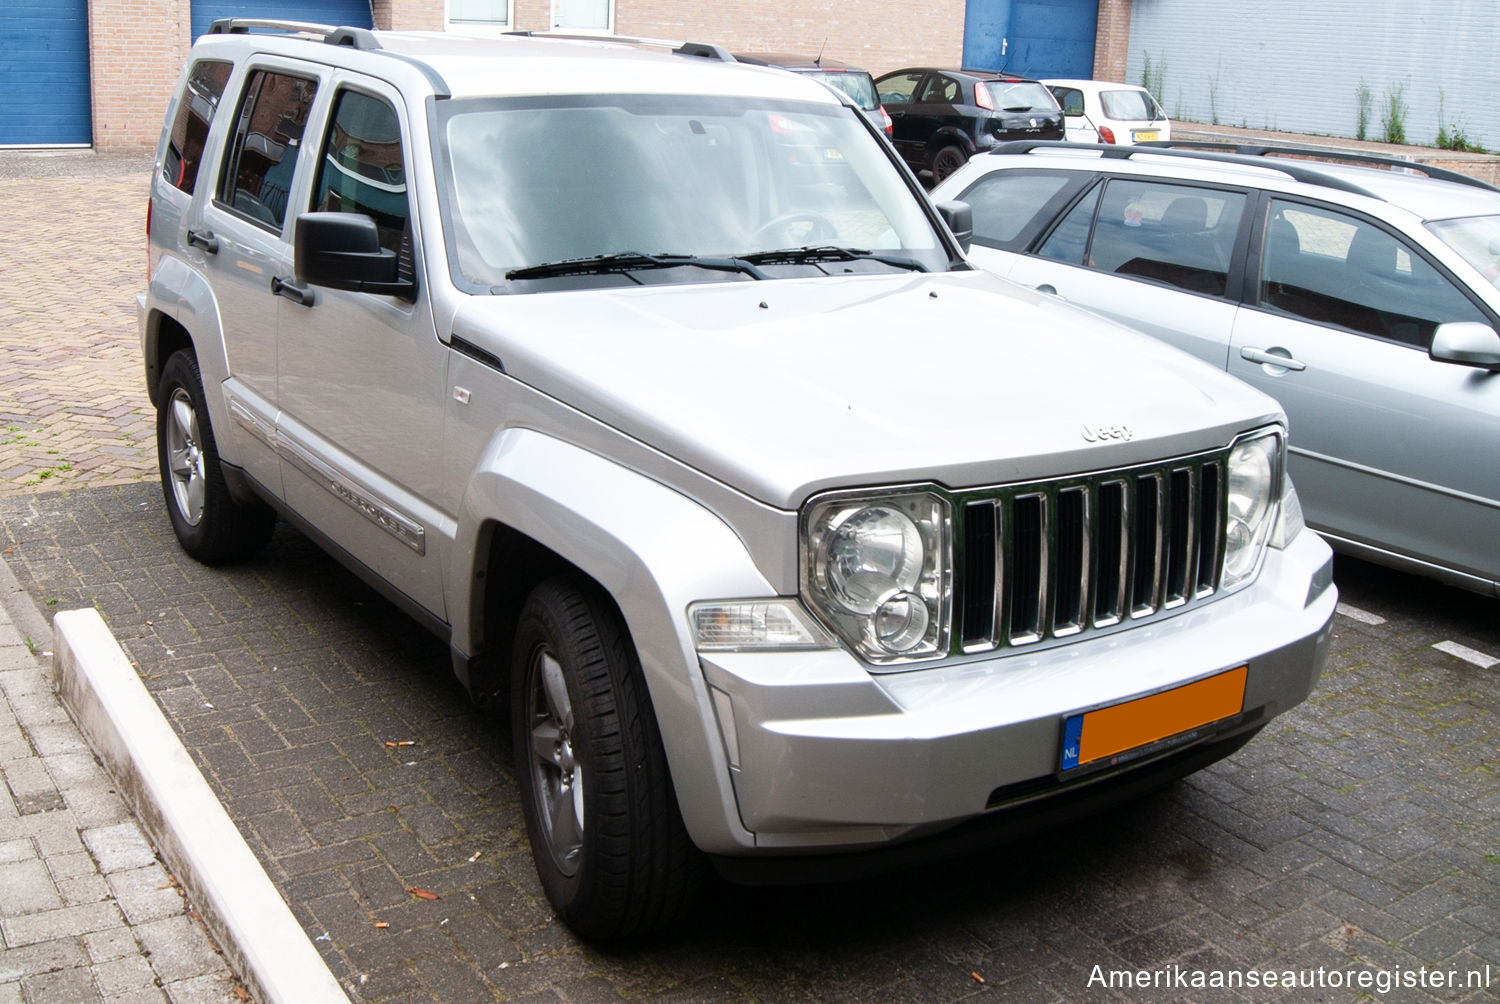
x=354 y=38
x=706 y=50
x=1292 y=169
x=1324 y=153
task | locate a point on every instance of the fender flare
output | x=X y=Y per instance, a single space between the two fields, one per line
x=180 y=292
x=654 y=550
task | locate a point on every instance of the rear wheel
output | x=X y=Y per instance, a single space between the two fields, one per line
x=210 y=524
x=608 y=842
x=947 y=160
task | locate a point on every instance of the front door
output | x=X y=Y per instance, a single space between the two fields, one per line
x=360 y=376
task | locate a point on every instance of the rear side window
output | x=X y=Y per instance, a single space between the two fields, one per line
x=362 y=169
x=1178 y=235
x=1329 y=268
x=266 y=140
x=195 y=113
x=1005 y=202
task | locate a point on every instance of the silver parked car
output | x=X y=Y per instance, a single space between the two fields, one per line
x=1360 y=295
x=654 y=385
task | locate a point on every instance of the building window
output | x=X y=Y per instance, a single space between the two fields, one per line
x=480 y=15
x=583 y=15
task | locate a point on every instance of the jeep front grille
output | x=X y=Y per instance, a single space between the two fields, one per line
x=1060 y=558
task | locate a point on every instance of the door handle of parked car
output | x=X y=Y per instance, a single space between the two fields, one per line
x=204 y=239
x=297 y=294
x=1051 y=290
x=1281 y=358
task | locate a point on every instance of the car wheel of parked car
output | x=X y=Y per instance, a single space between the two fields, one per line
x=948 y=160
x=606 y=835
x=211 y=525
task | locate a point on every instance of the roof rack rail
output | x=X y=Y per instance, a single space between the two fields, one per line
x=1296 y=170
x=1327 y=153
x=354 y=38
x=706 y=50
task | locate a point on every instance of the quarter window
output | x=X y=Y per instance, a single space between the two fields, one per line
x=195 y=113
x=1331 y=268
x=362 y=169
x=266 y=141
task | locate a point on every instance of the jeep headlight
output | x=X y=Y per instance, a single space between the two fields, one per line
x=875 y=569
x=1253 y=483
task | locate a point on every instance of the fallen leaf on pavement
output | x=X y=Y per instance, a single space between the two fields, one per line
x=421 y=893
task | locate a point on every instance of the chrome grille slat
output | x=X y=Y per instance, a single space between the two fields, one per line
x=1055 y=560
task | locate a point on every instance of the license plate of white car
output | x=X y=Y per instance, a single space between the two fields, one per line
x=1105 y=733
x=1146 y=135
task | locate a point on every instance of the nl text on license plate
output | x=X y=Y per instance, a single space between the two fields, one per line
x=1105 y=732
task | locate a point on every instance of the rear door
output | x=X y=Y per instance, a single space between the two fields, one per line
x=1388 y=447
x=244 y=234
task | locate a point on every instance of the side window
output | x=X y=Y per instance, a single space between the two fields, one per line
x=1071 y=99
x=200 y=99
x=1330 y=268
x=266 y=141
x=898 y=90
x=1005 y=202
x=1069 y=240
x=361 y=169
x=1174 y=234
x=940 y=90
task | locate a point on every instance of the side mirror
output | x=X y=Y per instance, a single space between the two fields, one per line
x=1466 y=343
x=960 y=219
x=342 y=251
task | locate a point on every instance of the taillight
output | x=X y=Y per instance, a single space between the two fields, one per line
x=1106 y=134
x=885 y=116
x=982 y=97
x=148 y=240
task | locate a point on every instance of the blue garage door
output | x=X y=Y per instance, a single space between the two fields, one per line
x=355 y=13
x=1036 y=38
x=44 y=73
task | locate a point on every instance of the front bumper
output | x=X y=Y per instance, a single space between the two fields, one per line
x=825 y=755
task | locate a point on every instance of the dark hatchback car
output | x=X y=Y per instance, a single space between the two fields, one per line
x=856 y=83
x=941 y=118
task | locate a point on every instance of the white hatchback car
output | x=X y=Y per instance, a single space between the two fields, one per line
x=1096 y=111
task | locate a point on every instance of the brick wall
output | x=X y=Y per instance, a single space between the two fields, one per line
x=878 y=35
x=408 y=15
x=1112 y=40
x=136 y=50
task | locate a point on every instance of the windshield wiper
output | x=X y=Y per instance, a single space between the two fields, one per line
x=631 y=261
x=828 y=252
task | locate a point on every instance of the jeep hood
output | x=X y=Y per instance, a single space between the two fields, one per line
x=787 y=387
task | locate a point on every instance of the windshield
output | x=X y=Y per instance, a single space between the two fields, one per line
x=859 y=86
x=1476 y=238
x=1129 y=106
x=536 y=181
x=1020 y=96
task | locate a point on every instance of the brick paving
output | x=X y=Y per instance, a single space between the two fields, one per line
x=1358 y=832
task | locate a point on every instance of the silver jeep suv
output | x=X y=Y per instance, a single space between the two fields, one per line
x=653 y=383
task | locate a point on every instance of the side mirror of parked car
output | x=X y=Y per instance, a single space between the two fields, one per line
x=960 y=219
x=1467 y=343
x=342 y=251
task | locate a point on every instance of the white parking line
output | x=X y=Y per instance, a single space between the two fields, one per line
x=1356 y=614
x=1467 y=654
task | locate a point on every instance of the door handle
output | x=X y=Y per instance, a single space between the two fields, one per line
x=1273 y=357
x=1051 y=290
x=297 y=294
x=204 y=239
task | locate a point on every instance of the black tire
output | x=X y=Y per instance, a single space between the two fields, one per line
x=210 y=524
x=606 y=835
x=946 y=161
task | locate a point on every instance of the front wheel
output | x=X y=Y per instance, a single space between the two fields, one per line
x=210 y=523
x=608 y=842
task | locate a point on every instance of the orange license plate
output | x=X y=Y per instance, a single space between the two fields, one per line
x=1107 y=732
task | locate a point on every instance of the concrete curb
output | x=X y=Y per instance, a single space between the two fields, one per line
x=266 y=946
